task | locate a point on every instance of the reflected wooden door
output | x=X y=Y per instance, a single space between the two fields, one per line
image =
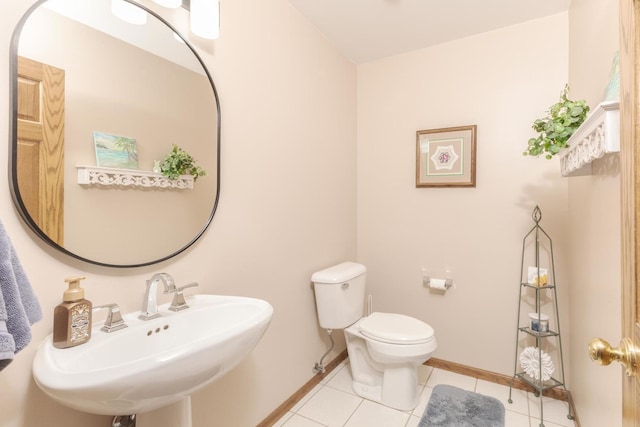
x=40 y=154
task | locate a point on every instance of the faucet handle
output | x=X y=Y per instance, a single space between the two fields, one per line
x=169 y=284
x=114 y=321
x=178 y=303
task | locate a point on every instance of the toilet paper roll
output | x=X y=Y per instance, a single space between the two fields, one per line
x=438 y=284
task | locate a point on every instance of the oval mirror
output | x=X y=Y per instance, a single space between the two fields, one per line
x=97 y=102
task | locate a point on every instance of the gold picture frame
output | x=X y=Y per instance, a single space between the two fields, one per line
x=446 y=157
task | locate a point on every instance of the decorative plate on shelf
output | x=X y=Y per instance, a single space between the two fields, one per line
x=536 y=363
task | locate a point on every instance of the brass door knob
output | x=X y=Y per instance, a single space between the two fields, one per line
x=603 y=354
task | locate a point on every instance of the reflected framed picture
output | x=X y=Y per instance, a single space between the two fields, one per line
x=446 y=157
x=114 y=151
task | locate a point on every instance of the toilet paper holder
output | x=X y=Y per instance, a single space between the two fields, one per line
x=437 y=283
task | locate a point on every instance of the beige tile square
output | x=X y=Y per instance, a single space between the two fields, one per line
x=535 y=422
x=501 y=392
x=306 y=398
x=342 y=380
x=555 y=411
x=298 y=421
x=423 y=402
x=438 y=376
x=371 y=414
x=333 y=373
x=330 y=407
x=284 y=419
x=413 y=421
x=515 y=419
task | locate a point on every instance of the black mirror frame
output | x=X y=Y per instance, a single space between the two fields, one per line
x=13 y=145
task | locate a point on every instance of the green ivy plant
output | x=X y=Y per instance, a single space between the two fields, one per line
x=179 y=162
x=556 y=128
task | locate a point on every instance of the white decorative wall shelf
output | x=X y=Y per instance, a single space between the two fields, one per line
x=94 y=175
x=597 y=136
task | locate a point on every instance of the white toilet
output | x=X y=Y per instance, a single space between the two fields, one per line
x=384 y=349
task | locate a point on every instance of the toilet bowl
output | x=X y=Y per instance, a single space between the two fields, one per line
x=385 y=349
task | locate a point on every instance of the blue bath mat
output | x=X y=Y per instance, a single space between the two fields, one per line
x=453 y=407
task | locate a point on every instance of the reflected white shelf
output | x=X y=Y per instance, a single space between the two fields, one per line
x=597 y=136
x=94 y=175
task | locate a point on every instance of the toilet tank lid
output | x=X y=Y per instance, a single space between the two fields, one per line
x=339 y=273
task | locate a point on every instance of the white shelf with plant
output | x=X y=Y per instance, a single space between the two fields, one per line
x=576 y=137
x=178 y=171
x=597 y=136
x=101 y=176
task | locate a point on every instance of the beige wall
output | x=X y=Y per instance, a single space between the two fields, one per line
x=594 y=219
x=497 y=81
x=287 y=209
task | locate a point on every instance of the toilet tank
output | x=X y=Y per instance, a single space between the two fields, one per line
x=339 y=294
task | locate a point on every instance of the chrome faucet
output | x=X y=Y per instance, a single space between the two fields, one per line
x=149 y=308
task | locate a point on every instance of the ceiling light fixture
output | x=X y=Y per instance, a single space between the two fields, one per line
x=171 y=4
x=128 y=12
x=205 y=18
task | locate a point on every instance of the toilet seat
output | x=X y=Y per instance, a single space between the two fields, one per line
x=395 y=328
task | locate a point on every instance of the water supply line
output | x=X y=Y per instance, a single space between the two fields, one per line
x=318 y=368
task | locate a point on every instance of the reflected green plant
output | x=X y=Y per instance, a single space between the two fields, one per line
x=179 y=162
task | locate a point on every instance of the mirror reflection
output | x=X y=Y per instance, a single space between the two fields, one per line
x=78 y=72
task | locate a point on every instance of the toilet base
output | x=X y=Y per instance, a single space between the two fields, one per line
x=400 y=391
x=366 y=391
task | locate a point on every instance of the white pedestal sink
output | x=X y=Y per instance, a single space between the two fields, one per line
x=156 y=362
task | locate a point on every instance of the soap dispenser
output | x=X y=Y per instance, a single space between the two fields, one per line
x=72 y=318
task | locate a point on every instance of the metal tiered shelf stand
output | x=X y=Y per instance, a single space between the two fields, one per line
x=539 y=385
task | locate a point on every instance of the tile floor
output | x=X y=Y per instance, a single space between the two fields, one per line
x=332 y=403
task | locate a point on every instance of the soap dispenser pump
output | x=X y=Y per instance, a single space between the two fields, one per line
x=72 y=318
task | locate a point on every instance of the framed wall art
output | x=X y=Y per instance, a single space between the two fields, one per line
x=446 y=157
x=114 y=151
